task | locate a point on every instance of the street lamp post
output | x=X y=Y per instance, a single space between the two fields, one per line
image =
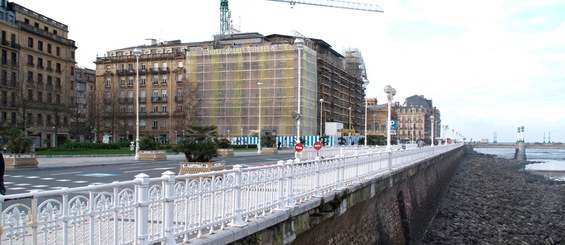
x=299 y=42
x=390 y=92
x=365 y=84
x=137 y=53
x=260 y=85
x=433 y=125
x=321 y=118
x=445 y=128
x=349 y=132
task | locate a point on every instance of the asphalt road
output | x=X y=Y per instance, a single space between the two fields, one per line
x=50 y=178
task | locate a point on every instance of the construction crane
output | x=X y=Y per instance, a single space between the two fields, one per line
x=225 y=25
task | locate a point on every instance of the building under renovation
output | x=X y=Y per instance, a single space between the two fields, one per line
x=238 y=82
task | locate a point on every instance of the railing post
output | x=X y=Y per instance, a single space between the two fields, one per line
x=169 y=194
x=356 y=166
x=318 y=192
x=280 y=169
x=340 y=163
x=369 y=159
x=142 y=190
x=290 y=184
x=238 y=216
x=389 y=153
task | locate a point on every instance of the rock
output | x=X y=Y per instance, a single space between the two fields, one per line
x=494 y=201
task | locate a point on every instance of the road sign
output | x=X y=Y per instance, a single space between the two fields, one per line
x=392 y=124
x=317 y=145
x=298 y=147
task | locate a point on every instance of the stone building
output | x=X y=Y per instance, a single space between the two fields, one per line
x=224 y=81
x=414 y=119
x=37 y=74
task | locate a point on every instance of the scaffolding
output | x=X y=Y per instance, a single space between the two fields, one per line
x=223 y=84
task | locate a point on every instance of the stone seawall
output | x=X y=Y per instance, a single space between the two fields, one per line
x=386 y=210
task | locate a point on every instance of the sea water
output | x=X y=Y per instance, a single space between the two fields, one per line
x=547 y=162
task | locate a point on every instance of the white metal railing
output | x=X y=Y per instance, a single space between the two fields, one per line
x=168 y=208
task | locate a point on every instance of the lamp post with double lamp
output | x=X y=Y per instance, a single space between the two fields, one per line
x=365 y=84
x=433 y=126
x=321 y=118
x=299 y=42
x=445 y=128
x=137 y=53
x=390 y=93
x=260 y=85
x=349 y=132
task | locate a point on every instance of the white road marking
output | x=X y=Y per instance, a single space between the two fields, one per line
x=22 y=184
x=63 y=180
x=39 y=186
x=77 y=172
x=47 y=178
x=32 y=177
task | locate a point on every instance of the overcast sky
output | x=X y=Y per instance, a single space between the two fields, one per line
x=489 y=66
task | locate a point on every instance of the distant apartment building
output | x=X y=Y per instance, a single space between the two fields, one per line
x=414 y=119
x=377 y=117
x=37 y=74
x=81 y=110
x=229 y=82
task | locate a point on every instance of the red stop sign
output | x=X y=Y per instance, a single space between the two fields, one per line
x=298 y=147
x=317 y=145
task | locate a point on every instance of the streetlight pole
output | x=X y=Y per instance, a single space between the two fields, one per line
x=433 y=125
x=137 y=53
x=321 y=118
x=390 y=93
x=260 y=85
x=365 y=84
x=349 y=132
x=299 y=42
x=445 y=128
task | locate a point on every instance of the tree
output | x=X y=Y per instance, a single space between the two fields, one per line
x=148 y=143
x=199 y=143
x=17 y=141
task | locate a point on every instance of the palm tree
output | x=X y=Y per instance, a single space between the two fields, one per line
x=199 y=143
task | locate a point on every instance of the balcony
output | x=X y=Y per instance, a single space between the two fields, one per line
x=142 y=99
x=155 y=99
x=178 y=98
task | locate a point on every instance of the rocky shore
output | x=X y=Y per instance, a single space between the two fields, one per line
x=495 y=201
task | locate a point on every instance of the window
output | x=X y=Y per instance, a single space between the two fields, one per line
x=40 y=78
x=39 y=119
x=40 y=62
x=49 y=98
x=122 y=82
x=155 y=108
x=130 y=108
x=164 y=108
x=142 y=124
x=163 y=123
x=142 y=108
x=142 y=94
x=179 y=78
x=40 y=96
x=142 y=80
x=164 y=94
x=57 y=51
x=30 y=42
x=155 y=94
x=30 y=60
x=108 y=82
x=155 y=80
x=164 y=80
x=30 y=95
x=179 y=108
x=179 y=92
x=39 y=45
x=48 y=48
x=155 y=124
x=130 y=81
x=130 y=94
x=58 y=99
x=179 y=64
x=143 y=68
